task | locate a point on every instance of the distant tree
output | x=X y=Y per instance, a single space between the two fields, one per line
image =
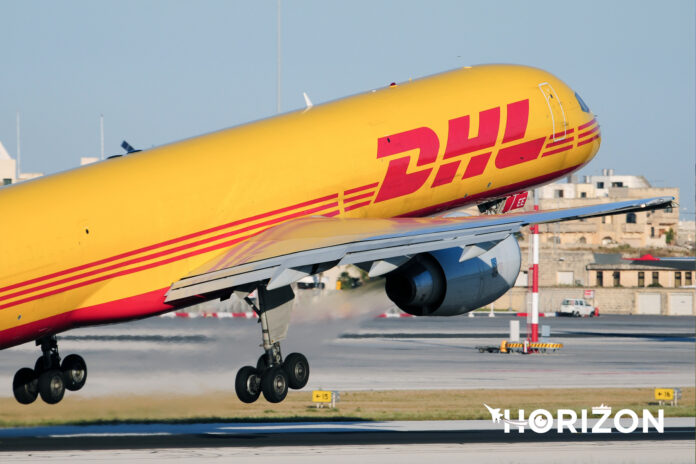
x=669 y=236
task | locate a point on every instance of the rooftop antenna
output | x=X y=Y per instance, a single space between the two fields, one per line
x=278 y=64
x=19 y=152
x=101 y=134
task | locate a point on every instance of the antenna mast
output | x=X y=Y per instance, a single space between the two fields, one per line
x=101 y=134
x=278 y=64
x=19 y=153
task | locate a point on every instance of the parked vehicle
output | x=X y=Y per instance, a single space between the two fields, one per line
x=576 y=307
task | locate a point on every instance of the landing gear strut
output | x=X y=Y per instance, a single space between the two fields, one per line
x=50 y=377
x=272 y=375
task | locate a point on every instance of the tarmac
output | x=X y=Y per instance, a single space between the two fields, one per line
x=350 y=442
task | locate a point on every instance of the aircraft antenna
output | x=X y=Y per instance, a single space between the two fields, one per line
x=308 y=102
x=19 y=153
x=278 y=64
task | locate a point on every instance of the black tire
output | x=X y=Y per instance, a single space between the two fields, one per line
x=274 y=384
x=74 y=371
x=51 y=386
x=25 y=386
x=247 y=384
x=39 y=366
x=262 y=364
x=297 y=368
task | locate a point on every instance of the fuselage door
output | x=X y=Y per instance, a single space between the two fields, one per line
x=558 y=117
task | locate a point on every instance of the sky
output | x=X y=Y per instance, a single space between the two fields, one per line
x=161 y=71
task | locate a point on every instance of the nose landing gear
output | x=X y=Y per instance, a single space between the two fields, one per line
x=49 y=378
x=272 y=375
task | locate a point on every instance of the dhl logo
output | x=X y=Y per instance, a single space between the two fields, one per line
x=399 y=181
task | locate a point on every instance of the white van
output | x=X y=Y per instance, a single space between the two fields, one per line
x=576 y=307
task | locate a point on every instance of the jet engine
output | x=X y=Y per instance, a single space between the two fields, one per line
x=439 y=284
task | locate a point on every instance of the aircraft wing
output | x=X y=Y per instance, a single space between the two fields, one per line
x=295 y=249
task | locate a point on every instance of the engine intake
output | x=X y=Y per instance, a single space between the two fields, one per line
x=438 y=284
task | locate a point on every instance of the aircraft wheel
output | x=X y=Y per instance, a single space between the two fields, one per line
x=74 y=371
x=51 y=386
x=262 y=364
x=297 y=368
x=25 y=386
x=247 y=384
x=274 y=384
x=39 y=366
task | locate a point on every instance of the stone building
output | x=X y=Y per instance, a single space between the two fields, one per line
x=638 y=230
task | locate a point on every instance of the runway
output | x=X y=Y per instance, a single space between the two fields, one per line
x=315 y=442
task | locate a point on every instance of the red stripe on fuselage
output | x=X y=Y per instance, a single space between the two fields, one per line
x=557 y=150
x=360 y=189
x=156 y=264
x=166 y=243
x=356 y=205
x=588 y=140
x=561 y=134
x=589 y=132
x=587 y=124
x=358 y=197
x=134 y=307
x=559 y=142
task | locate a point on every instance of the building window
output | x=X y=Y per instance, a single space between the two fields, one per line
x=687 y=279
x=668 y=209
x=617 y=278
x=655 y=279
x=606 y=241
x=582 y=240
x=631 y=218
x=652 y=232
x=641 y=279
x=583 y=194
x=559 y=194
x=617 y=184
x=600 y=185
x=600 y=279
x=6 y=181
x=677 y=279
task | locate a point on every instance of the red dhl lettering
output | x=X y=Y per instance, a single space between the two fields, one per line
x=399 y=180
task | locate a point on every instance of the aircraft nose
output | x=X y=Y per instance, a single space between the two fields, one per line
x=588 y=133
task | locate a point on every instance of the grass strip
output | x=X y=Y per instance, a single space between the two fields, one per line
x=223 y=406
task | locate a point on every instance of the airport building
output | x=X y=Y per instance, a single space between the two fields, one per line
x=653 y=229
x=8 y=170
x=8 y=167
x=589 y=255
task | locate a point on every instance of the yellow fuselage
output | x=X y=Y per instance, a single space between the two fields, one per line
x=104 y=242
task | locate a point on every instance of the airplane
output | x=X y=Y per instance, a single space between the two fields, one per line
x=369 y=180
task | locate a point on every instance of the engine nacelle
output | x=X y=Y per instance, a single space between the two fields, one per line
x=438 y=284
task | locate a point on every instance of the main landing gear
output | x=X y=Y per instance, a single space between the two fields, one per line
x=272 y=375
x=50 y=377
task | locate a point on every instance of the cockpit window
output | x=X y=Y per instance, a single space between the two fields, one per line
x=583 y=106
